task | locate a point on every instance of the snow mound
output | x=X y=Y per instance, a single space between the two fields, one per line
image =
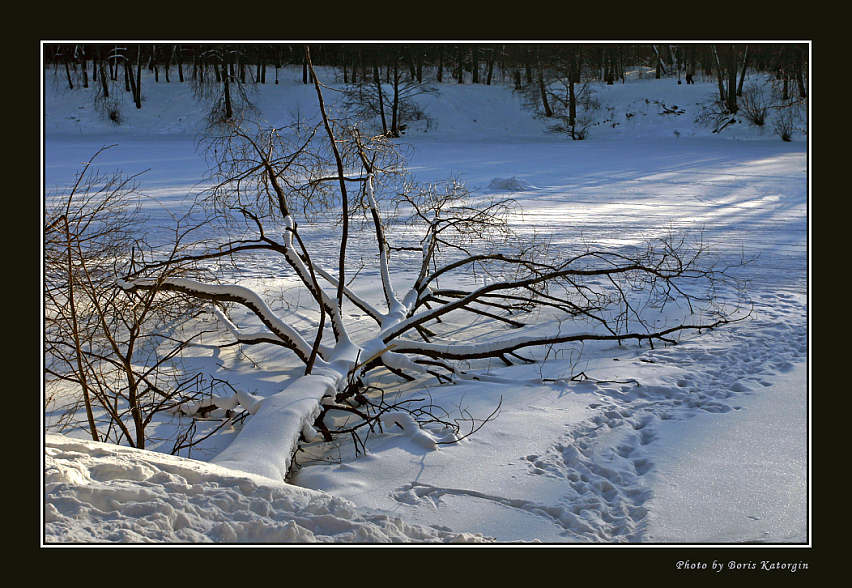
x=97 y=492
x=513 y=184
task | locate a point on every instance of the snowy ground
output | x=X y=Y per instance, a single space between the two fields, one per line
x=99 y=493
x=705 y=441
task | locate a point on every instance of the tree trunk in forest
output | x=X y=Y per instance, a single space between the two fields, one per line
x=719 y=76
x=800 y=80
x=68 y=75
x=440 y=75
x=138 y=80
x=690 y=64
x=378 y=82
x=742 y=75
x=543 y=91
x=229 y=113
x=103 y=80
x=395 y=110
x=475 y=64
x=412 y=68
x=129 y=80
x=113 y=65
x=152 y=64
x=610 y=70
x=573 y=78
x=731 y=102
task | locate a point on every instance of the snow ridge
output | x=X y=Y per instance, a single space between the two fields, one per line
x=103 y=493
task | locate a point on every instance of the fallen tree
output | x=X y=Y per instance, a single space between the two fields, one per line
x=466 y=258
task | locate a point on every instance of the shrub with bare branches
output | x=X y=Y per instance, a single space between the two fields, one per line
x=111 y=355
x=755 y=103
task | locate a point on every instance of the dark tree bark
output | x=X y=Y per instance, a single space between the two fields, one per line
x=130 y=81
x=731 y=101
x=395 y=110
x=84 y=70
x=475 y=64
x=103 y=80
x=743 y=73
x=690 y=64
x=138 y=81
x=659 y=69
x=719 y=76
x=440 y=75
x=152 y=64
x=378 y=82
x=277 y=64
x=412 y=68
x=542 y=89
x=68 y=75
x=800 y=80
x=609 y=76
x=227 y=91
x=574 y=68
x=179 y=55
x=113 y=64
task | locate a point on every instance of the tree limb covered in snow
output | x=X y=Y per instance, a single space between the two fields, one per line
x=460 y=254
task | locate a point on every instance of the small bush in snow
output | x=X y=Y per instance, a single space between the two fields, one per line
x=755 y=104
x=784 y=124
x=109 y=108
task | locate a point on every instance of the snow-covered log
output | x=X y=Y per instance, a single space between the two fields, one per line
x=266 y=444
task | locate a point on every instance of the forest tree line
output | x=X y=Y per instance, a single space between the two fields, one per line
x=529 y=67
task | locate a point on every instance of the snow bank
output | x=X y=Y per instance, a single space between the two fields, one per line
x=97 y=492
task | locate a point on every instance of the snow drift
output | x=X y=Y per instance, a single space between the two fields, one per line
x=103 y=493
